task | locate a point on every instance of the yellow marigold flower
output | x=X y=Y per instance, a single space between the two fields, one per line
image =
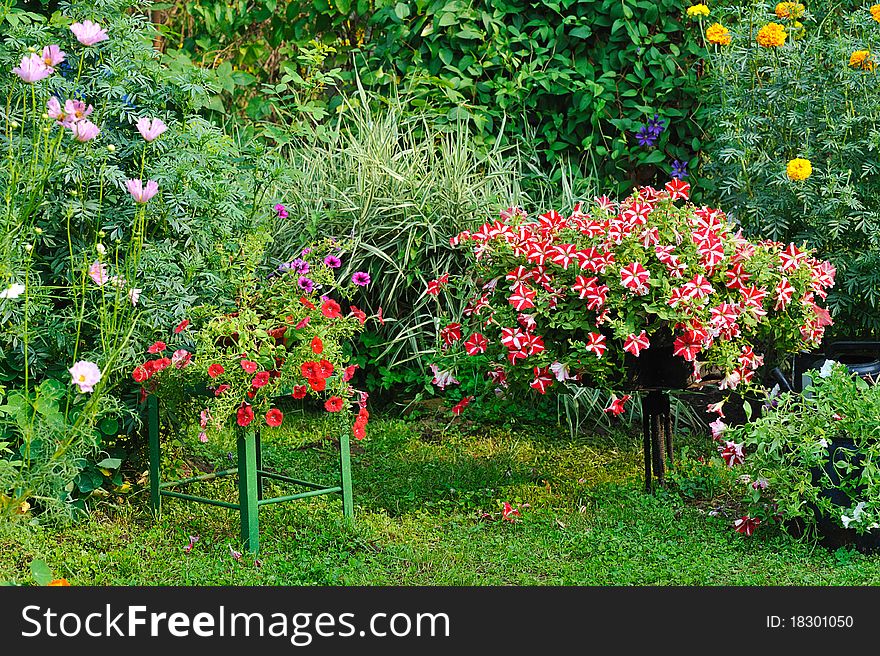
x=58 y=582
x=772 y=35
x=875 y=12
x=718 y=34
x=797 y=30
x=863 y=59
x=695 y=11
x=789 y=10
x=799 y=169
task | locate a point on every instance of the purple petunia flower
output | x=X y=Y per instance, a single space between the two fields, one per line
x=300 y=266
x=679 y=169
x=306 y=284
x=645 y=137
x=361 y=278
x=332 y=261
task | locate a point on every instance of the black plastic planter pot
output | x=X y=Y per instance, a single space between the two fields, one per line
x=831 y=534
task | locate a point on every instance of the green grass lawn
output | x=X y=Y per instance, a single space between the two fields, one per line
x=428 y=512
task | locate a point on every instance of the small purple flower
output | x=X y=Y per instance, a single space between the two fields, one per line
x=306 y=284
x=300 y=266
x=679 y=169
x=281 y=210
x=306 y=251
x=361 y=278
x=656 y=126
x=284 y=266
x=332 y=261
x=645 y=137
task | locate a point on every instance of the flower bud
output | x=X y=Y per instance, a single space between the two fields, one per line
x=28 y=247
x=102 y=234
x=13 y=124
x=38 y=230
x=111 y=148
x=44 y=116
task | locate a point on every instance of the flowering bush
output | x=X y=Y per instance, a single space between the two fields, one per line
x=815 y=455
x=287 y=337
x=795 y=109
x=114 y=201
x=591 y=295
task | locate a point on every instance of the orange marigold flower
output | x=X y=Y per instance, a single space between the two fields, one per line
x=718 y=34
x=772 y=35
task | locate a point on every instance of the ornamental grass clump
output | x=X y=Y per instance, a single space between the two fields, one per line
x=558 y=300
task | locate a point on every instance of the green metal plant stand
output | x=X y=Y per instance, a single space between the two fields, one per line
x=250 y=479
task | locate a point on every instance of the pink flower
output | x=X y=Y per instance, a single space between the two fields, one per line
x=85 y=375
x=139 y=192
x=203 y=437
x=84 y=130
x=77 y=110
x=442 y=378
x=235 y=554
x=192 y=540
x=54 y=109
x=616 y=405
x=88 y=33
x=180 y=358
x=717 y=408
x=32 y=69
x=98 y=273
x=718 y=427
x=150 y=129
x=134 y=295
x=53 y=55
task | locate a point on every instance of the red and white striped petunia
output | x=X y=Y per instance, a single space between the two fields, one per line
x=543 y=379
x=688 y=345
x=564 y=254
x=736 y=277
x=514 y=355
x=596 y=344
x=522 y=298
x=518 y=276
x=596 y=297
x=678 y=189
x=698 y=287
x=635 y=344
x=635 y=277
x=552 y=221
x=650 y=237
x=746 y=525
x=513 y=338
x=791 y=258
x=676 y=297
x=664 y=253
x=583 y=286
x=615 y=407
x=753 y=300
x=451 y=333
x=783 y=294
x=604 y=203
x=476 y=344
x=748 y=359
x=589 y=258
x=533 y=344
x=732 y=453
x=706 y=218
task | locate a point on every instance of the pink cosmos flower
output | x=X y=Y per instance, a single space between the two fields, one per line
x=142 y=194
x=32 y=69
x=77 y=110
x=85 y=375
x=98 y=273
x=53 y=55
x=150 y=129
x=54 y=109
x=84 y=130
x=88 y=33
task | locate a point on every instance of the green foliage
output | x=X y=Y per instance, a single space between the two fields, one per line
x=789 y=447
x=771 y=105
x=569 y=78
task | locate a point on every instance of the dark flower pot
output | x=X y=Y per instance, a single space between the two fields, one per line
x=657 y=368
x=831 y=534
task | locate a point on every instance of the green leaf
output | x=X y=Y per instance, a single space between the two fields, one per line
x=41 y=572
x=110 y=463
x=401 y=10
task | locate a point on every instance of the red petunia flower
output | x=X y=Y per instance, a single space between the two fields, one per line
x=326 y=368
x=161 y=363
x=299 y=391
x=310 y=369
x=331 y=309
x=249 y=366
x=245 y=415
x=307 y=303
x=746 y=525
x=274 y=417
x=333 y=404
x=260 y=380
x=360 y=315
x=461 y=405
x=140 y=373
x=359 y=431
x=215 y=370
x=317 y=345
x=156 y=347
x=318 y=384
x=181 y=326
x=348 y=374
x=220 y=389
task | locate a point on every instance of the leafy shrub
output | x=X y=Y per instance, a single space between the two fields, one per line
x=110 y=228
x=795 y=136
x=570 y=78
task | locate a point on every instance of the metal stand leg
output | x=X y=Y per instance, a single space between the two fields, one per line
x=646 y=444
x=656 y=436
x=259 y=448
x=155 y=453
x=247 y=490
x=345 y=472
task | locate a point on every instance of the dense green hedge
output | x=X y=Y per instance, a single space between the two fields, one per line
x=573 y=77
